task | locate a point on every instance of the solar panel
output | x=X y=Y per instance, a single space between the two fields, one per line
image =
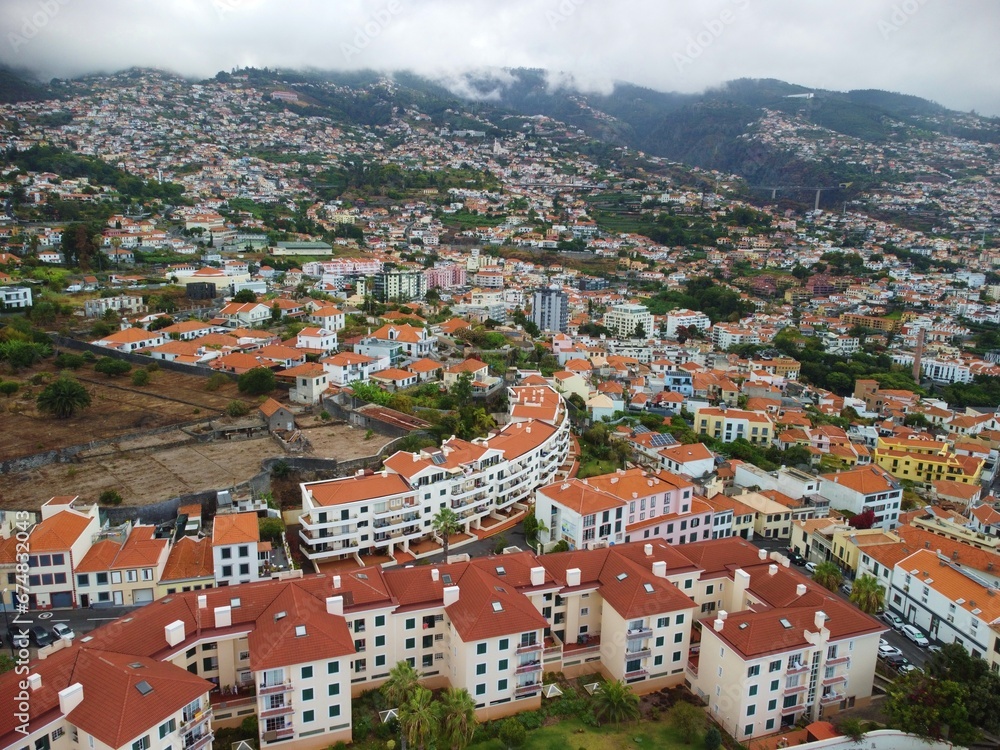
x=662 y=438
x=144 y=687
x=640 y=429
x=438 y=458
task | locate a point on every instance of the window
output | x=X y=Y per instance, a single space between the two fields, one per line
x=360 y=665
x=774 y=666
x=411 y=623
x=502 y=665
x=334 y=711
x=307 y=694
x=308 y=716
x=244 y=550
x=379 y=640
x=662 y=622
x=751 y=709
x=168 y=727
x=116 y=576
x=140 y=744
x=480 y=669
x=379 y=621
x=679 y=620
x=584 y=611
x=505 y=644
x=659 y=641
x=227 y=553
x=748 y=729
x=307 y=673
x=481 y=689
x=774 y=685
x=501 y=685
x=480 y=649
x=769 y=724
x=410 y=643
x=657 y=660
x=244 y=569
x=333 y=667
x=227 y=571
x=772 y=704
x=676 y=656
x=678 y=637
x=753 y=671
x=83 y=579
x=333 y=689
x=380 y=660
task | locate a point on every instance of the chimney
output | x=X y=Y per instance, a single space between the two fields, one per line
x=34 y=681
x=820 y=620
x=434 y=574
x=450 y=595
x=70 y=698
x=174 y=632
x=660 y=569
x=202 y=601
x=223 y=616
x=647 y=549
x=336 y=582
x=718 y=624
x=573 y=577
x=741 y=581
x=537 y=576
x=335 y=605
x=800 y=590
x=772 y=569
x=762 y=554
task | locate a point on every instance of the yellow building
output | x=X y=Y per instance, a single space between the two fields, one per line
x=926 y=461
x=731 y=424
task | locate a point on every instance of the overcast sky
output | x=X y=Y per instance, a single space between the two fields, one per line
x=945 y=50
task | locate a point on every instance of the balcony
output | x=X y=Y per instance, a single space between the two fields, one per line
x=829 y=698
x=281 y=687
x=527 y=648
x=834 y=680
x=271 y=713
x=524 y=690
x=199 y=742
x=640 y=654
x=534 y=666
x=796 y=668
x=640 y=633
x=284 y=733
x=795 y=689
x=636 y=674
x=190 y=721
x=839 y=660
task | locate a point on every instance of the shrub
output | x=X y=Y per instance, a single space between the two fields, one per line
x=111 y=497
x=281 y=470
x=271 y=529
x=112 y=367
x=713 y=738
x=68 y=361
x=237 y=409
x=257 y=382
x=152 y=367
x=324 y=415
x=215 y=382
x=512 y=733
x=140 y=377
x=8 y=388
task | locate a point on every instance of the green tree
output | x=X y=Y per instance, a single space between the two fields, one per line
x=63 y=397
x=257 y=381
x=165 y=322
x=713 y=738
x=828 y=575
x=461 y=391
x=418 y=717
x=687 y=720
x=8 y=388
x=512 y=734
x=954 y=663
x=401 y=684
x=616 y=702
x=140 y=378
x=6 y=663
x=110 y=497
x=244 y=296
x=237 y=409
x=445 y=523
x=923 y=705
x=867 y=594
x=20 y=354
x=275 y=313
x=852 y=729
x=458 y=718
x=271 y=529
x=112 y=367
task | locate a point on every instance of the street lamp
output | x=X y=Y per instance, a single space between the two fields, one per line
x=6 y=623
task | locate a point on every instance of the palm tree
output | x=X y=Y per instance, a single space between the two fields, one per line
x=63 y=397
x=616 y=702
x=828 y=575
x=867 y=594
x=418 y=717
x=458 y=717
x=446 y=522
x=401 y=684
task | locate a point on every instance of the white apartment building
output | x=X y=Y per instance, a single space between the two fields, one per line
x=345 y=368
x=625 y=320
x=862 y=488
x=725 y=336
x=685 y=319
x=14 y=297
x=237 y=552
x=385 y=512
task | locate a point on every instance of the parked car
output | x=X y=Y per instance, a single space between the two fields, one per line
x=934 y=649
x=907 y=668
x=896 y=661
x=916 y=635
x=15 y=639
x=810 y=567
x=892 y=620
x=846 y=588
x=62 y=630
x=886 y=649
x=40 y=636
x=796 y=558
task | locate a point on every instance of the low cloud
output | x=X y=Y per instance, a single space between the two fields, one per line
x=939 y=50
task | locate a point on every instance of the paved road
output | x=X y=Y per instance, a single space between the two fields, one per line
x=484 y=547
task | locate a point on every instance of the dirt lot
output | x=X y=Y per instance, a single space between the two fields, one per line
x=152 y=475
x=117 y=407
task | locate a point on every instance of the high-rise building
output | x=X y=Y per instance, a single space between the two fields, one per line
x=550 y=309
x=399 y=286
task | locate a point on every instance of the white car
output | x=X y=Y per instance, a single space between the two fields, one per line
x=886 y=649
x=907 y=668
x=810 y=567
x=62 y=630
x=915 y=635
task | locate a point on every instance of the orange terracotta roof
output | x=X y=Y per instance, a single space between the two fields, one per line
x=189 y=558
x=235 y=528
x=353 y=489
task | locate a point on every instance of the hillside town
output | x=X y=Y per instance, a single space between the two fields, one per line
x=631 y=422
